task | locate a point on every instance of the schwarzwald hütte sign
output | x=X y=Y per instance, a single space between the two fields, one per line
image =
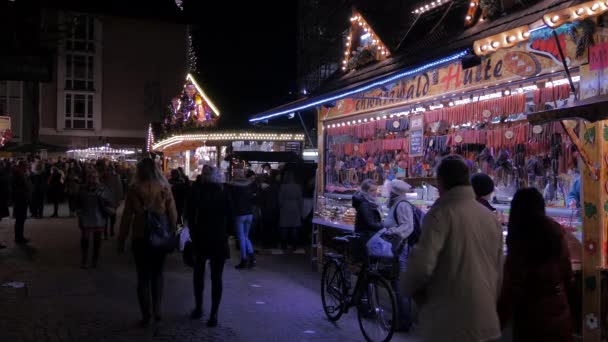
x=524 y=60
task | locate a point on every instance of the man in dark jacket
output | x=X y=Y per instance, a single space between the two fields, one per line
x=483 y=186
x=22 y=194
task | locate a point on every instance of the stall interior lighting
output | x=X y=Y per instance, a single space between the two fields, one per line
x=373 y=85
x=176 y=139
x=103 y=150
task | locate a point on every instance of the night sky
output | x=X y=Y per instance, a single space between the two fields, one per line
x=247 y=55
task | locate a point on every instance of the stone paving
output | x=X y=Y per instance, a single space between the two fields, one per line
x=278 y=301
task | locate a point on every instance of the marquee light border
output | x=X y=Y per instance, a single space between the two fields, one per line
x=372 y=85
x=230 y=136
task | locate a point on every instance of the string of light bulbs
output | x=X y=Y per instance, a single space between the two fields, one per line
x=358 y=21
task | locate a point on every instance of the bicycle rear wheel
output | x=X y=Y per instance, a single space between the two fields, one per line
x=333 y=290
x=377 y=312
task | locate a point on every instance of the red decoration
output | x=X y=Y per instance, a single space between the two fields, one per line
x=591 y=246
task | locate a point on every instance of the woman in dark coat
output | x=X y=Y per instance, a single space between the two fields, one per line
x=209 y=215
x=22 y=195
x=39 y=180
x=538 y=275
x=5 y=192
x=368 y=220
x=179 y=188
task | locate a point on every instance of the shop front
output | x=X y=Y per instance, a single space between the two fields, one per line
x=400 y=125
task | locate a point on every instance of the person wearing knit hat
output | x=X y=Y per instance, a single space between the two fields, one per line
x=400 y=225
x=483 y=186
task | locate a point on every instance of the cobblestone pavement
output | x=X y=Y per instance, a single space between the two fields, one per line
x=278 y=301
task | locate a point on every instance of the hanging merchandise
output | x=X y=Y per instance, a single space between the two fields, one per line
x=550 y=94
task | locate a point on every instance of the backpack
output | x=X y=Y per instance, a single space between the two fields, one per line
x=157 y=230
x=417 y=215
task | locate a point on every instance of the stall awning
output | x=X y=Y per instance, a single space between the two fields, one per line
x=593 y=109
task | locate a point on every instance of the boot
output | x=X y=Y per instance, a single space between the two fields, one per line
x=212 y=322
x=244 y=264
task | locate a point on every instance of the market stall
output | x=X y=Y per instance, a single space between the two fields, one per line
x=480 y=103
x=105 y=152
x=188 y=136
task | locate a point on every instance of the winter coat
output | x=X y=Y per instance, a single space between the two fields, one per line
x=209 y=216
x=241 y=197
x=153 y=196
x=400 y=218
x=91 y=200
x=454 y=271
x=56 y=187
x=486 y=204
x=368 y=219
x=535 y=295
x=179 y=188
x=290 y=205
x=21 y=190
x=113 y=184
x=39 y=183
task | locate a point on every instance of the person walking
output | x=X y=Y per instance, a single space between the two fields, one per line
x=149 y=192
x=267 y=199
x=538 y=277
x=5 y=193
x=92 y=217
x=179 y=188
x=22 y=195
x=208 y=219
x=39 y=180
x=56 y=189
x=72 y=187
x=290 y=210
x=241 y=198
x=113 y=185
x=400 y=225
x=453 y=272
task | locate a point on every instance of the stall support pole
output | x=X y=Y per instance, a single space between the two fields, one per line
x=187 y=164
x=594 y=207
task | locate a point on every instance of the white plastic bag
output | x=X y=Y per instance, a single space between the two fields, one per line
x=378 y=247
x=184 y=236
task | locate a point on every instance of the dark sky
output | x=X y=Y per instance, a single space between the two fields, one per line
x=247 y=54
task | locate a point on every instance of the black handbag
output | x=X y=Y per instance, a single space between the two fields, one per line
x=157 y=231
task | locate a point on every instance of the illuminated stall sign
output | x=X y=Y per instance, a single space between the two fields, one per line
x=533 y=58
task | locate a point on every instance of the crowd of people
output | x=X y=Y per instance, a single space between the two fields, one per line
x=456 y=272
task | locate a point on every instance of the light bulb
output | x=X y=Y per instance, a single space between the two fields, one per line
x=495 y=44
x=473 y=4
x=595 y=7
x=580 y=11
x=511 y=39
x=526 y=34
x=468 y=18
x=555 y=18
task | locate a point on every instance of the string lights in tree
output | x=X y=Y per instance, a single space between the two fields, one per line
x=362 y=44
x=192 y=59
x=150 y=141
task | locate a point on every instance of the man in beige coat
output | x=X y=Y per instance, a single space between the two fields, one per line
x=454 y=271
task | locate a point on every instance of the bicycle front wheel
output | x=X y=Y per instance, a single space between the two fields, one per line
x=333 y=290
x=377 y=312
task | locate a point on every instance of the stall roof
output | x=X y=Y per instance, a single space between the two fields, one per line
x=593 y=109
x=411 y=60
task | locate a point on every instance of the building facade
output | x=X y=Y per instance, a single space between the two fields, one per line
x=109 y=76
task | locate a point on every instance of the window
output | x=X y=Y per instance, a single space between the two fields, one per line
x=80 y=59
x=10 y=104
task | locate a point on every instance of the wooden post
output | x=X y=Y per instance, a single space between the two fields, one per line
x=594 y=207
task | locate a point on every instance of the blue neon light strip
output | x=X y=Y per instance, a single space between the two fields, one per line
x=543 y=26
x=406 y=73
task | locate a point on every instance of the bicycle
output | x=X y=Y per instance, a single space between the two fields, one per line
x=372 y=294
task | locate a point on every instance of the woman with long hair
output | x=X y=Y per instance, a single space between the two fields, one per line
x=538 y=274
x=150 y=191
x=208 y=219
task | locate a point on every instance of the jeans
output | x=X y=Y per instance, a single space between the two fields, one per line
x=149 y=264
x=243 y=227
x=404 y=305
x=217 y=269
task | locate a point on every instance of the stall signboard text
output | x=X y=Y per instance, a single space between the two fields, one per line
x=528 y=59
x=417 y=136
